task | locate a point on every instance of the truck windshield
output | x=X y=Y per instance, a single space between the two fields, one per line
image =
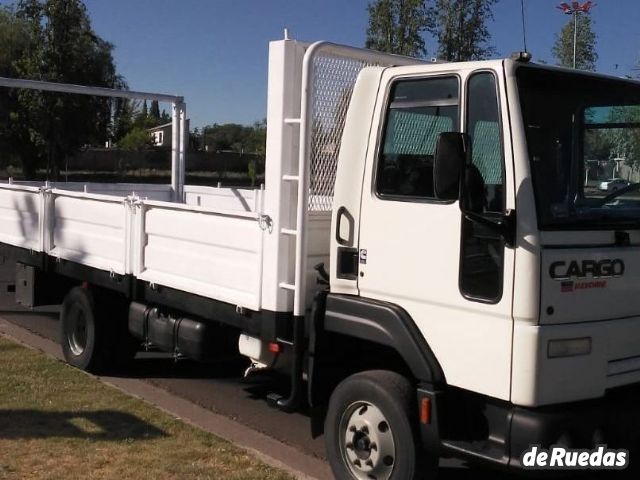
x=583 y=139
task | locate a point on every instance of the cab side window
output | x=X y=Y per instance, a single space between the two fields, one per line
x=483 y=126
x=419 y=110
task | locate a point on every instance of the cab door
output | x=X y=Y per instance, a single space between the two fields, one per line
x=453 y=276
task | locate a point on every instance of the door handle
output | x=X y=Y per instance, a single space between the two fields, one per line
x=343 y=212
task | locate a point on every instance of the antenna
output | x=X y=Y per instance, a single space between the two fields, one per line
x=524 y=26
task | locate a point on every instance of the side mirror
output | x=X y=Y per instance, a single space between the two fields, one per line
x=448 y=164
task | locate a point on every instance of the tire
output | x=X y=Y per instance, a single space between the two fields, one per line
x=375 y=407
x=85 y=338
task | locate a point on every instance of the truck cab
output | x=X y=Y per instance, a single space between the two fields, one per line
x=463 y=200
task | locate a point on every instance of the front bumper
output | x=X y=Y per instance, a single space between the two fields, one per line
x=613 y=420
x=490 y=432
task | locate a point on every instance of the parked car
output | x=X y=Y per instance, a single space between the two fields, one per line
x=613 y=184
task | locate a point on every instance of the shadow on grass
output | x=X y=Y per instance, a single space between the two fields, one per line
x=97 y=425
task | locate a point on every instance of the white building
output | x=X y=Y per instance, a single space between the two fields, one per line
x=162 y=134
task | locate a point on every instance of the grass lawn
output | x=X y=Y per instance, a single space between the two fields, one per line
x=57 y=422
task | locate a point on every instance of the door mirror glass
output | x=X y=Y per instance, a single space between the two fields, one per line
x=448 y=164
x=473 y=194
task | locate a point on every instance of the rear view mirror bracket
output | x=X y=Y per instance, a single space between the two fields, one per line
x=504 y=224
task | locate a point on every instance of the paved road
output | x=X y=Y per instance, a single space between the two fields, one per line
x=220 y=388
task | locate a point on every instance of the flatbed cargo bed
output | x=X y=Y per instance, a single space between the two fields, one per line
x=213 y=250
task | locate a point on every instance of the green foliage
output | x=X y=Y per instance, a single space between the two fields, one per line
x=626 y=141
x=145 y=111
x=137 y=139
x=397 y=26
x=235 y=137
x=252 y=171
x=56 y=44
x=621 y=142
x=14 y=42
x=598 y=145
x=125 y=112
x=154 y=112
x=586 y=55
x=258 y=137
x=132 y=115
x=142 y=119
x=461 y=29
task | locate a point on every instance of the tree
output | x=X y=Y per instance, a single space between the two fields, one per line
x=586 y=55
x=62 y=47
x=124 y=118
x=258 y=137
x=141 y=118
x=397 y=26
x=147 y=117
x=235 y=137
x=14 y=39
x=14 y=43
x=461 y=29
x=625 y=141
x=137 y=139
x=154 y=112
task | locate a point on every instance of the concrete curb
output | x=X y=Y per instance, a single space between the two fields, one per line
x=267 y=449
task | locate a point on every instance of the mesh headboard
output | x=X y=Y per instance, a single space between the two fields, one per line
x=334 y=76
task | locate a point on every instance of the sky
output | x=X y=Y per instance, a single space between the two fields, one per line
x=215 y=52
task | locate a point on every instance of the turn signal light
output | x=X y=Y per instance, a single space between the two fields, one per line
x=274 y=347
x=425 y=411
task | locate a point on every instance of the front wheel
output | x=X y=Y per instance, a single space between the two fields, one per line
x=369 y=431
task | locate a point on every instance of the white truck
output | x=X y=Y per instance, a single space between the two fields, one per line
x=477 y=297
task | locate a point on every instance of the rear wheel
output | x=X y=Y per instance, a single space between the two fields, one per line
x=94 y=331
x=84 y=339
x=369 y=433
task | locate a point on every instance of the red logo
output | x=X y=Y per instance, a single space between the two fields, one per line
x=570 y=286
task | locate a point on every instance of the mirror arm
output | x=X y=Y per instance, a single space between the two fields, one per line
x=505 y=225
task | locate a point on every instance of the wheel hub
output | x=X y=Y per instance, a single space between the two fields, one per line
x=367 y=442
x=78 y=335
x=362 y=445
